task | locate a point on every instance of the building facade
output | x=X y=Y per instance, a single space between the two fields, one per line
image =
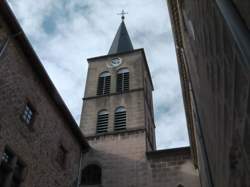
x=118 y=122
x=40 y=143
x=213 y=50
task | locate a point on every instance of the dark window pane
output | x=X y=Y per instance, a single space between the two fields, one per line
x=8 y=171
x=28 y=114
x=7 y=157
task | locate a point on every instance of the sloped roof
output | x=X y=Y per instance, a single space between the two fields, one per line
x=121 y=42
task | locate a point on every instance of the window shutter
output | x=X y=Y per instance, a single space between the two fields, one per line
x=119 y=83
x=106 y=89
x=120 y=121
x=126 y=81
x=102 y=123
x=122 y=82
x=100 y=85
x=103 y=85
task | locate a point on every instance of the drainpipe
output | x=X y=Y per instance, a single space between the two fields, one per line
x=8 y=41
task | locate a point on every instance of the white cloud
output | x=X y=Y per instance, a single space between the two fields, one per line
x=66 y=33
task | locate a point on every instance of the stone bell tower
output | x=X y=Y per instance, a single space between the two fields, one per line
x=117 y=114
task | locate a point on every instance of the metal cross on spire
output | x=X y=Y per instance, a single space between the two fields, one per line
x=123 y=13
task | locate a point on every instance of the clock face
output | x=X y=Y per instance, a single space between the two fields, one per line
x=116 y=62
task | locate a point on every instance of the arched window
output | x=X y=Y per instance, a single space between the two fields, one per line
x=103 y=87
x=91 y=175
x=102 y=121
x=120 y=119
x=122 y=83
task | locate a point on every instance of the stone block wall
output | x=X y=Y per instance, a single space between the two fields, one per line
x=132 y=101
x=125 y=164
x=219 y=82
x=173 y=167
x=133 y=61
x=37 y=145
x=121 y=157
x=137 y=101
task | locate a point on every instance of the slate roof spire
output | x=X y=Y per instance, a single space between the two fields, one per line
x=121 y=42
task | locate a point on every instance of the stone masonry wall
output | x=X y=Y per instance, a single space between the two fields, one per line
x=121 y=157
x=220 y=83
x=132 y=101
x=37 y=146
x=125 y=164
x=134 y=63
x=173 y=167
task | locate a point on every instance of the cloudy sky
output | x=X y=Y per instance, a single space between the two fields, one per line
x=65 y=33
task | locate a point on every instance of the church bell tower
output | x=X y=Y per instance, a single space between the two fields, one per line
x=117 y=115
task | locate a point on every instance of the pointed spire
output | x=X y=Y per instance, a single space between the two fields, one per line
x=122 y=42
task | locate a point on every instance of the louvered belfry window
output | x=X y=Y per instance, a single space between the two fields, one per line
x=122 y=84
x=103 y=87
x=102 y=121
x=120 y=119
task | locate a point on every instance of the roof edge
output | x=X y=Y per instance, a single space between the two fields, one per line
x=114 y=55
x=173 y=8
x=170 y=152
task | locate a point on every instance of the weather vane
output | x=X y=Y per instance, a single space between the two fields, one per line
x=123 y=13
